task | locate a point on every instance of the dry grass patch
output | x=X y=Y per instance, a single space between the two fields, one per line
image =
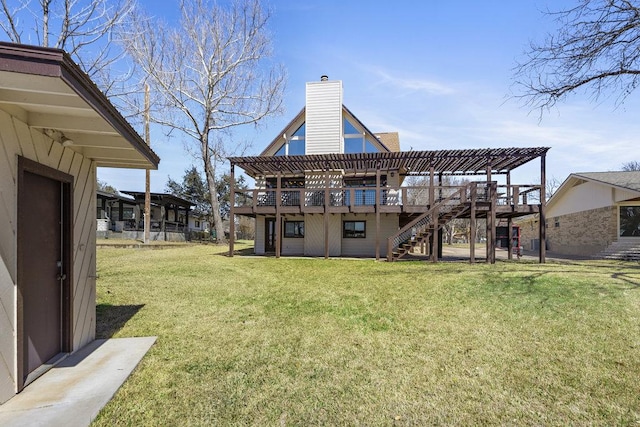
x=261 y=341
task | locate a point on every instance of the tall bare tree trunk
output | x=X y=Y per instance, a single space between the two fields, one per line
x=210 y=172
x=45 y=22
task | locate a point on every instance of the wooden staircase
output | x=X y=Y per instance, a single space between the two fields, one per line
x=419 y=230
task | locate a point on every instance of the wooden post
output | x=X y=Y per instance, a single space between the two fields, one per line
x=378 y=213
x=509 y=220
x=278 y=219
x=472 y=223
x=232 y=203
x=163 y=214
x=147 y=185
x=488 y=222
x=543 y=205
x=433 y=249
x=492 y=234
x=326 y=213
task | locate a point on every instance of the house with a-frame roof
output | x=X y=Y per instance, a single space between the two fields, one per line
x=328 y=186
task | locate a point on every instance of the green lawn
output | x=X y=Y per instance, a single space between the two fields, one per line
x=270 y=342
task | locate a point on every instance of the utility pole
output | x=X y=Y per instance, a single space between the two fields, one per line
x=147 y=187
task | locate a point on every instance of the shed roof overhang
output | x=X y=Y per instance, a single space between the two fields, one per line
x=44 y=88
x=163 y=199
x=446 y=162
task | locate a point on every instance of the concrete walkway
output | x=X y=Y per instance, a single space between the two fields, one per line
x=74 y=391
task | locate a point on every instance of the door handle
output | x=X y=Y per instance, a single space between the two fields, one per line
x=61 y=277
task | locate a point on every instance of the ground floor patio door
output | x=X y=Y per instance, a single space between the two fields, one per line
x=269 y=235
x=44 y=210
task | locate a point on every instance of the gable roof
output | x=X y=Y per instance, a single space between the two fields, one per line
x=389 y=141
x=45 y=89
x=620 y=179
x=628 y=180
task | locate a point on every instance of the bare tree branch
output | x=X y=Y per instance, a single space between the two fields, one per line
x=633 y=165
x=10 y=22
x=83 y=28
x=597 y=48
x=208 y=75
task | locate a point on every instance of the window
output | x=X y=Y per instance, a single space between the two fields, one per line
x=355 y=141
x=294 y=145
x=354 y=229
x=629 y=221
x=127 y=213
x=294 y=229
x=364 y=197
x=556 y=223
x=197 y=224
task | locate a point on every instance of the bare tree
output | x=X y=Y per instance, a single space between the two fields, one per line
x=597 y=48
x=83 y=28
x=631 y=166
x=209 y=75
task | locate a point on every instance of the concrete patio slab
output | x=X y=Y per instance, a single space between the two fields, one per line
x=74 y=391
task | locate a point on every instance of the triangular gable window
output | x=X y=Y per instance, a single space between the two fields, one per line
x=294 y=145
x=355 y=142
x=350 y=129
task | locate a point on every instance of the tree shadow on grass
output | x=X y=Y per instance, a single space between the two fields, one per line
x=239 y=252
x=111 y=318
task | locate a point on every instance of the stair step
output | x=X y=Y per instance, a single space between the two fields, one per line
x=621 y=250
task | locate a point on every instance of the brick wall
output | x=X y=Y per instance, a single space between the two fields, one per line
x=583 y=233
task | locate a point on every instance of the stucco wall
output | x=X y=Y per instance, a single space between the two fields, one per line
x=17 y=139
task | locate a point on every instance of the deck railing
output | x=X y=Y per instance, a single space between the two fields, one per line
x=417 y=196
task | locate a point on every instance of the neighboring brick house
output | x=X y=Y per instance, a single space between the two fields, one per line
x=589 y=213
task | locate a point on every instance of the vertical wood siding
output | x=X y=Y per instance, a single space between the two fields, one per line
x=324 y=117
x=17 y=139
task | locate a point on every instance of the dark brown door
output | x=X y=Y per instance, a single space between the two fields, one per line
x=270 y=235
x=43 y=211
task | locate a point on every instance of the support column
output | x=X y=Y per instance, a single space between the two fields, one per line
x=509 y=220
x=232 y=204
x=278 y=219
x=543 y=206
x=378 y=213
x=492 y=230
x=488 y=224
x=472 y=223
x=433 y=239
x=326 y=214
x=163 y=215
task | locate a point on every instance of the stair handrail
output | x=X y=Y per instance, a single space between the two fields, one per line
x=402 y=235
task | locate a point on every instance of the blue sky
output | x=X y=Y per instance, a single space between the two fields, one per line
x=437 y=72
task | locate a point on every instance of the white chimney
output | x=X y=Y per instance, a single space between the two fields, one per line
x=324 y=117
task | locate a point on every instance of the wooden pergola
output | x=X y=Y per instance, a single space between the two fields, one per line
x=487 y=161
